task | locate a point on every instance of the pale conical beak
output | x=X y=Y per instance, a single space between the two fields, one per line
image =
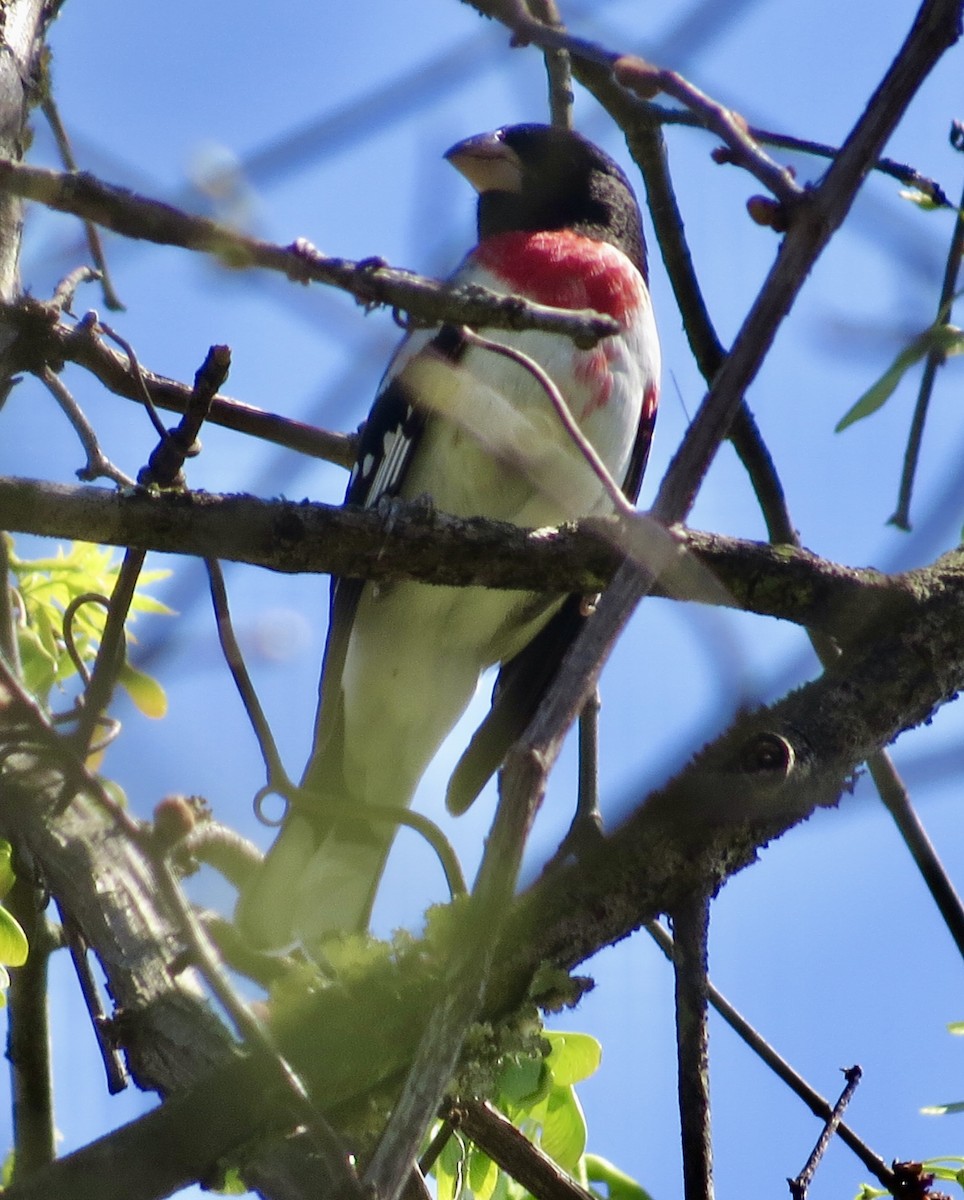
x=487 y=163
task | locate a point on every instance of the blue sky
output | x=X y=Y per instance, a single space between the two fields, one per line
x=830 y=943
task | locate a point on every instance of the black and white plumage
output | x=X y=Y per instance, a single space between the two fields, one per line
x=476 y=432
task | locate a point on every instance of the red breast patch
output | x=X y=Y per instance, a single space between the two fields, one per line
x=564 y=269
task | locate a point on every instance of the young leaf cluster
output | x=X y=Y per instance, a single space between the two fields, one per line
x=45 y=590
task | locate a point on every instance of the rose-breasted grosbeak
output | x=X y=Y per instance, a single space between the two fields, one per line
x=476 y=432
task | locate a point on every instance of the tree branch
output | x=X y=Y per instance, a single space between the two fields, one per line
x=281 y=535
x=44 y=338
x=370 y=281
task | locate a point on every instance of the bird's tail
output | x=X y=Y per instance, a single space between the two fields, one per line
x=312 y=886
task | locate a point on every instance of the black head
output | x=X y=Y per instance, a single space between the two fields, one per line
x=535 y=177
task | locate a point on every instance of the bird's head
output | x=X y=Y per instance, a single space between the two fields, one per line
x=536 y=177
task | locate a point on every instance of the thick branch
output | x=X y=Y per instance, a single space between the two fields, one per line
x=291 y=537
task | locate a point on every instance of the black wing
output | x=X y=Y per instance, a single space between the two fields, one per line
x=385 y=452
x=524 y=680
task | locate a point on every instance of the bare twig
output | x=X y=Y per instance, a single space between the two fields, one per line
x=43 y=337
x=66 y=289
x=111 y=653
x=691 y=927
x=646 y=80
x=587 y=808
x=277 y=779
x=143 y=394
x=164 y=466
x=563 y=412
x=558 y=67
x=801 y=1184
x=817 y=1104
x=114 y=1065
x=9 y=643
x=164 y=470
x=52 y=113
x=371 y=282
x=98 y=464
x=440 y=1139
x=891 y=789
x=515 y=1154
x=28 y=1036
x=935 y=358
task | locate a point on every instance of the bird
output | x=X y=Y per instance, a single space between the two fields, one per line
x=470 y=428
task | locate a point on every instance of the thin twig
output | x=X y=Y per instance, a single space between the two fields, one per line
x=28 y=1036
x=113 y=1060
x=42 y=335
x=277 y=779
x=587 y=807
x=817 y=1104
x=338 y=1161
x=112 y=652
x=558 y=67
x=163 y=469
x=801 y=1184
x=647 y=80
x=896 y=798
x=98 y=464
x=70 y=642
x=9 y=621
x=691 y=927
x=564 y=413
x=144 y=395
x=64 y=292
x=49 y=108
x=370 y=281
x=935 y=358
x=440 y=1139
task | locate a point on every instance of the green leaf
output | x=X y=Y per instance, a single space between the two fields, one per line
x=482 y=1175
x=574 y=1056
x=957 y=1028
x=450 y=1169
x=46 y=587
x=232 y=1184
x=922 y=199
x=946 y=339
x=13 y=940
x=619 y=1185
x=941 y=1110
x=144 y=690
x=523 y=1082
x=7 y=876
x=563 y=1127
